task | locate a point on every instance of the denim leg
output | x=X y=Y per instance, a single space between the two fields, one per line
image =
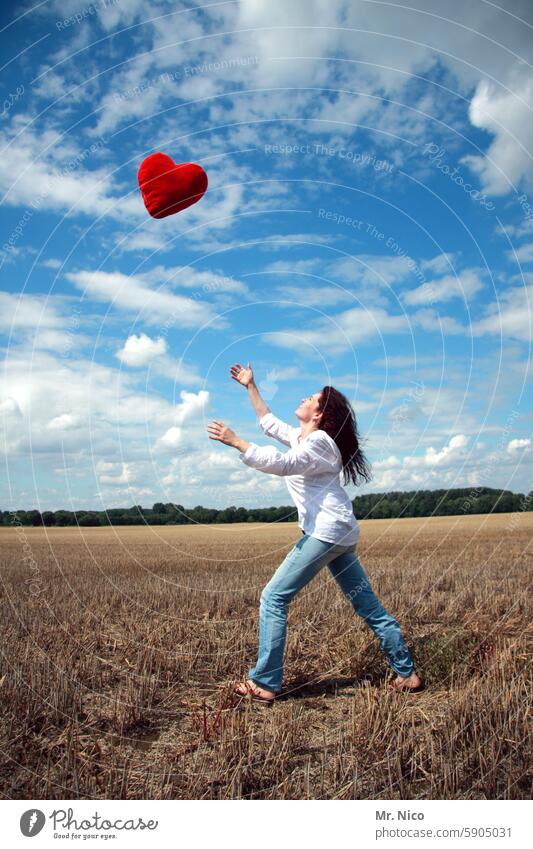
x=302 y=563
x=354 y=583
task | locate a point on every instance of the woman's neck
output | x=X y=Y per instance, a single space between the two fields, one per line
x=307 y=428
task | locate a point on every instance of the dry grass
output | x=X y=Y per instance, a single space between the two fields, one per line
x=114 y=653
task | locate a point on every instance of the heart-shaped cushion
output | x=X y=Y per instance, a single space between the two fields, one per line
x=167 y=187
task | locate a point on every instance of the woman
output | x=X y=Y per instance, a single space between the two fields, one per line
x=325 y=444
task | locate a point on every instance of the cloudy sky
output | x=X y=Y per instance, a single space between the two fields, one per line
x=368 y=223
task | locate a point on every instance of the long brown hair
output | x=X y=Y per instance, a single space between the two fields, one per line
x=338 y=420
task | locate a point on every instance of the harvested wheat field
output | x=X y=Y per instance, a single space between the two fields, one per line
x=120 y=646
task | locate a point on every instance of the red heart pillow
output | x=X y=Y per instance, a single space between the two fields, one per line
x=167 y=188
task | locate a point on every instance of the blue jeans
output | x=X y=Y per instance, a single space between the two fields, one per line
x=302 y=563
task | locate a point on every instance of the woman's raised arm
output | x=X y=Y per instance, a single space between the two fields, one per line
x=245 y=376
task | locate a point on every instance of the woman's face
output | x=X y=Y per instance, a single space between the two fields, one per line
x=308 y=407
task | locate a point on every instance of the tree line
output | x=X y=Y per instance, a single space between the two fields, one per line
x=375 y=505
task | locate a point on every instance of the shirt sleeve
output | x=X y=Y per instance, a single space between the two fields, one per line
x=277 y=429
x=314 y=455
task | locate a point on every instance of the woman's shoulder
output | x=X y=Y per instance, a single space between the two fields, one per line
x=325 y=434
x=323 y=438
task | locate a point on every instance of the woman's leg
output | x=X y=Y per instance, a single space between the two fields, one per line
x=300 y=566
x=354 y=583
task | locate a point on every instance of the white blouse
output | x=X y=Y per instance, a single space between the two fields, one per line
x=312 y=470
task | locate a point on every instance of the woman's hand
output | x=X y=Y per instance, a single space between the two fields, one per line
x=221 y=432
x=242 y=375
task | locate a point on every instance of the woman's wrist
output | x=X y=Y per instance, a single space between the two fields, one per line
x=240 y=444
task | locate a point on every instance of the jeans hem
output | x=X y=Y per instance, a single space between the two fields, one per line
x=403 y=674
x=263 y=685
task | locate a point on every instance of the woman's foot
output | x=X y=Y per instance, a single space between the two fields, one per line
x=250 y=687
x=410 y=682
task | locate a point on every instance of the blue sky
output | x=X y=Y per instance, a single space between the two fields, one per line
x=368 y=223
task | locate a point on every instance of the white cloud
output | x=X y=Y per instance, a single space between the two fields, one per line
x=446 y=454
x=205 y=283
x=432 y=321
x=141 y=350
x=41 y=323
x=274 y=32
x=403 y=361
x=65 y=421
x=115 y=474
x=58 y=341
x=464 y=285
x=280 y=241
x=172 y=438
x=405 y=412
x=312 y=296
x=390 y=462
x=439 y=264
x=9 y=407
x=516 y=446
x=132 y=294
x=339 y=332
x=27 y=311
x=115 y=14
x=35 y=172
x=190 y=409
x=377 y=54
x=143 y=240
x=104 y=402
x=374 y=269
x=453 y=465
x=511 y=317
x=504 y=111
x=522 y=254
x=192 y=405
x=298 y=266
x=218 y=459
x=118 y=497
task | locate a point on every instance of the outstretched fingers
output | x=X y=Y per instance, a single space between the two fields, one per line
x=216 y=427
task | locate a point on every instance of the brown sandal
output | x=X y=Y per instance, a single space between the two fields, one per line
x=252 y=695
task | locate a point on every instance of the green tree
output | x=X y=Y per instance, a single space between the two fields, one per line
x=90 y=519
x=64 y=518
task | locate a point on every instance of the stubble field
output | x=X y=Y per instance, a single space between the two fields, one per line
x=119 y=647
